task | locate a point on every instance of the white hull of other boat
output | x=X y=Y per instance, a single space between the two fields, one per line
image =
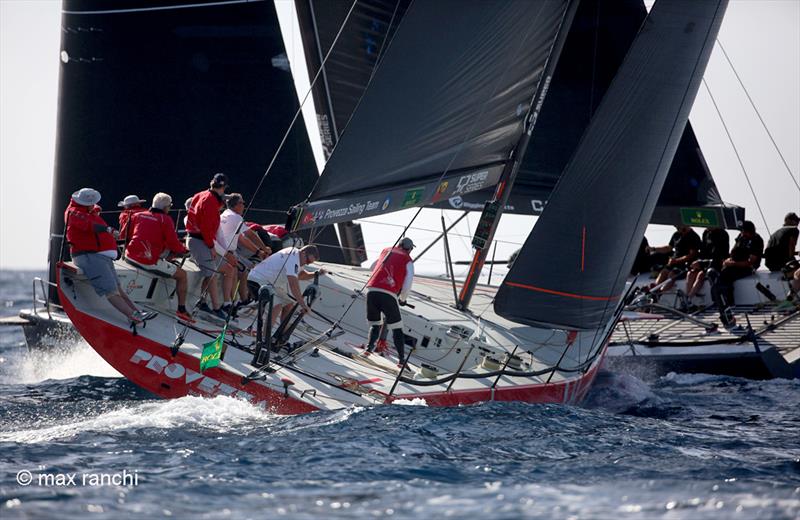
x=467 y=357
x=765 y=344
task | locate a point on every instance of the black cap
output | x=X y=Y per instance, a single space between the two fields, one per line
x=748 y=226
x=791 y=219
x=220 y=180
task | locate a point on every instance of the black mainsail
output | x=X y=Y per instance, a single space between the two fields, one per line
x=158 y=96
x=572 y=269
x=444 y=109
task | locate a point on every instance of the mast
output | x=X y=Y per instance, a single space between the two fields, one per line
x=493 y=210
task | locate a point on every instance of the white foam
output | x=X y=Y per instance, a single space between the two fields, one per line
x=417 y=401
x=218 y=414
x=691 y=379
x=62 y=362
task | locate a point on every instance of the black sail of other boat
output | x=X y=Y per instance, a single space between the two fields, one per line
x=158 y=96
x=598 y=41
x=573 y=266
x=363 y=34
x=454 y=121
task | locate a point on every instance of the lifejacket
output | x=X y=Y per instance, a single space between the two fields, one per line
x=202 y=220
x=276 y=229
x=389 y=272
x=125 y=219
x=81 y=236
x=152 y=233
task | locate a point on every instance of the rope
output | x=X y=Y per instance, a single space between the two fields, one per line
x=746 y=93
x=738 y=157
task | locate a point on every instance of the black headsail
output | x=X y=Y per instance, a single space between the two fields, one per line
x=444 y=109
x=157 y=96
x=598 y=40
x=573 y=266
x=363 y=37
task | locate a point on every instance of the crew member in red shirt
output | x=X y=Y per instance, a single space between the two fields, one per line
x=202 y=225
x=153 y=241
x=387 y=289
x=94 y=249
x=130 y=205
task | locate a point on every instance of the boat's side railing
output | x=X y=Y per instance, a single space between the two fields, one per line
x=45 y=299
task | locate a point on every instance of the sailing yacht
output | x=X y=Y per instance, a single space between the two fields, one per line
x=450 y=110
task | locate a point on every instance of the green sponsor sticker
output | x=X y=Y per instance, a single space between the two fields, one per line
x=700 y=217
x=412 y=197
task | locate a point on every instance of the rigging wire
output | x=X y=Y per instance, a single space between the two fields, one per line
x=764 y=124
x=738 y=157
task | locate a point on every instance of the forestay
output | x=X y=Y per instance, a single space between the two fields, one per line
x=573 y=266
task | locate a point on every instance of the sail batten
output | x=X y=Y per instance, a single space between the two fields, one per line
x=585 y=241
x=450 y=94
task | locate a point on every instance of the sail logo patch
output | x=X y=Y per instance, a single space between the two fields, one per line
x=440 y=191
x=471 y=182
x=412 y=197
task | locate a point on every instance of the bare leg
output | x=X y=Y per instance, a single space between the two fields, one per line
x=120 y=304
x=795 y=283
x=244 y=292
x=127 y=300
x=700 y=279
x=180 y=285
x=690 y=279
x=277 y=311
x=227 y=281
x=662 y=276
x=210 y=285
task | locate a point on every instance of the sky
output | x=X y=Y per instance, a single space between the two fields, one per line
x=761 y=37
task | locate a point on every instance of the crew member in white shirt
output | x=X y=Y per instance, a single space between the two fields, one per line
x=282 y=272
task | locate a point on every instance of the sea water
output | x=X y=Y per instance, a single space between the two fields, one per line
x=79 y=441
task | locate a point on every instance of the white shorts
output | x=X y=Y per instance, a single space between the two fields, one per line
x=280 y=288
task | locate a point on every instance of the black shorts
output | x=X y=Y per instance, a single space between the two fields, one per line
x=383 y=303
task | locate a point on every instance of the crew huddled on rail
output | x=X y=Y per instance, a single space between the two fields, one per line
x=217 y=240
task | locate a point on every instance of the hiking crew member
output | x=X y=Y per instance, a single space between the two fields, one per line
x=745 y=258
x=713 y=251
x=231 y=238
x=94 y=249
x=782 y=244
x=153 y=239
x=282 y=272
x=202 y=224
x=130 y=205
x=684 y=245
x=387 y=288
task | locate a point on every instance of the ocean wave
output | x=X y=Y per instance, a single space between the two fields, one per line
x=216 y=414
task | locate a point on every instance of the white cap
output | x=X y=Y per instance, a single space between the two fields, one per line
x=86 y=196
x=162 y=201
x=129 y=201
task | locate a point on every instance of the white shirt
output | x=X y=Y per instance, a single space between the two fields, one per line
x=284 y=263
x=230 y=227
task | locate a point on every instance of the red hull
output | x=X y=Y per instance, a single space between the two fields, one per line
x=151 y=366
